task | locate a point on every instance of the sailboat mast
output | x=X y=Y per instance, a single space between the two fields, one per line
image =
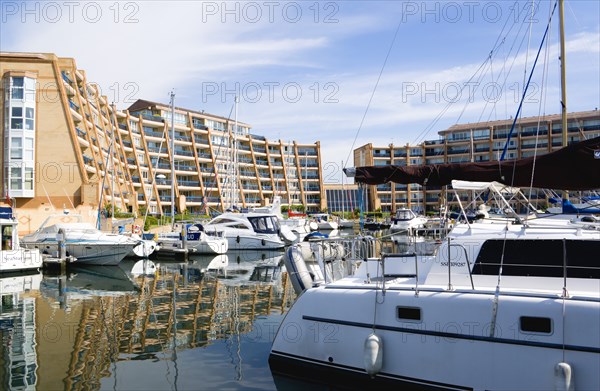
x=343 y=193
x=172 y=158
x=563 y=77
x=235 y=156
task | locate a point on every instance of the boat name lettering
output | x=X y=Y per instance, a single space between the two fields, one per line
x=453 y=264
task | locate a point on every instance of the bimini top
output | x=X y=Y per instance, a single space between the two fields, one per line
x=575 y=167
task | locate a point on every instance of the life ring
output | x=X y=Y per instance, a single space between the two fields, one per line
x=136 y=229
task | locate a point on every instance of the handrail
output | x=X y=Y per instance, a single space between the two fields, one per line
x=450 y=264
x=401 y=255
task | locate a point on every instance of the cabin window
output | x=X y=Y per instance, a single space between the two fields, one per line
x=534 y=324
x=408 y=313
x=538 y=258
x=7 y=237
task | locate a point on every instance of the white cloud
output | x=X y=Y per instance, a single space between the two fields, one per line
x=185 y=46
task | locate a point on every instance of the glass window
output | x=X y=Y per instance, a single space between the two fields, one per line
x=16 y=148
x=17 y=88
x=17 y=111
x=28 y=178
x=16 y=123
x=28 y=149
x=15 y=178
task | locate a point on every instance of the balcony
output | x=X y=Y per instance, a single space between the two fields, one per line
x=157 y=150
x=152 y=133
x=457 y=151
x=185 y=167
x=80 y=132
x=183 y=152
x=73 y=105
x=188 y=183
x=67 y=79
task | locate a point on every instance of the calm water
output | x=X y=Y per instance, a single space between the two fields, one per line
x=203 y=324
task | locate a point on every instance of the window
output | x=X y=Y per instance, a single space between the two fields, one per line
x=16 y=148
x=15 y=178
x=28 y=178
x=534 y=324
x=17 y=88
x=408 y=313
x=29 y=118
x=538 y=258
x=16 y=121
x=28 y=149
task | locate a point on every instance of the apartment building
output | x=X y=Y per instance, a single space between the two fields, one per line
x=472 y=142
x=65 y=145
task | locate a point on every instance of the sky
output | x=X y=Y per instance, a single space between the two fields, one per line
x=345 y=73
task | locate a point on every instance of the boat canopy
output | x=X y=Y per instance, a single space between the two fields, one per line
x=575 y=167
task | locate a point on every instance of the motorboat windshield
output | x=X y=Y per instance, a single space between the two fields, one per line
x=265 y=224
x=405 y=215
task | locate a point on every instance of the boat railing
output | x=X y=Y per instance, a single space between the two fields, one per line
x=467 y=263
x=384 y=256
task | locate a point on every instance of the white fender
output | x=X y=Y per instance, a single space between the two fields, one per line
x=313 y=226
x=563 y=377
x=373 y=354
x=298 y=272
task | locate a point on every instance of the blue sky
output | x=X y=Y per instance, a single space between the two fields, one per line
x=306 y=70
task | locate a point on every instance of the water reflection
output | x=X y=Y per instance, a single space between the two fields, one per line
x=156 y=325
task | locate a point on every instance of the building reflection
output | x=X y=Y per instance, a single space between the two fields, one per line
x=69 y=331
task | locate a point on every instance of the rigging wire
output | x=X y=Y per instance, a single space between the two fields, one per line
x=527 y=85
x=500 y=39
x=373 y=92
x=541 y=109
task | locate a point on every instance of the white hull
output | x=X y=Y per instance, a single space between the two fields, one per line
x=209 y=245
x=19 y=259
x=253 y=242
x=91 y=253
x=346 y=224
x=446 y=324
x=451 y=344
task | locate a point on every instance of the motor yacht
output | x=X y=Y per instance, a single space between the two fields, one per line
x=82 y=240
x=247 y=231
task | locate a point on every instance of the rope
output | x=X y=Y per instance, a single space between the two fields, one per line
x=527 y=85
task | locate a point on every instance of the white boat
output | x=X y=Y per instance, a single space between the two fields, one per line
x=292 y=228
x=324 y=221
x=13 y=257
x=247 y=231
x=407 y=222
x=500 y=297
x=345 y=223
x=82 y=241
x=196 y=241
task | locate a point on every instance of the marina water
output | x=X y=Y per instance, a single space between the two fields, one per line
x=207 y=323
